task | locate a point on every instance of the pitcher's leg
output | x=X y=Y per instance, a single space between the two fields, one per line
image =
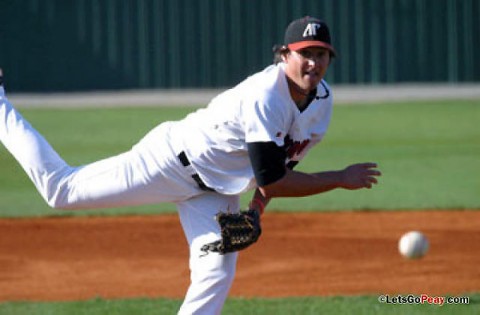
x=211 y=275
x=41 y=163
x=137 y=177
x=149 y=173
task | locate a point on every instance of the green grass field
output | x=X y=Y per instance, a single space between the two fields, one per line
x=429 y=153
x=358 y=305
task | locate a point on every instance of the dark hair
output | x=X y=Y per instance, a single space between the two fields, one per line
x=278 y=51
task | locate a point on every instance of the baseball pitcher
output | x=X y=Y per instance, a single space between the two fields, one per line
x=249 y=137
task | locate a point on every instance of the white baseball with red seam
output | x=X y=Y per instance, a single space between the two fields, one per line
x=413 y=245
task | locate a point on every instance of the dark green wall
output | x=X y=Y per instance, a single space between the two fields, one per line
x=61 y=45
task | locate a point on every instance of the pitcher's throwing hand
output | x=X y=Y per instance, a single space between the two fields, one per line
x=362 y=175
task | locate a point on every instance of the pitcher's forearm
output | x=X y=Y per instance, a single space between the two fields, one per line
x=298 y=184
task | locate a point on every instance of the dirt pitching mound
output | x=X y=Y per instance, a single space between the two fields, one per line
x=304 y=254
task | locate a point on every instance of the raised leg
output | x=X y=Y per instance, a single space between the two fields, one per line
x=149 y=173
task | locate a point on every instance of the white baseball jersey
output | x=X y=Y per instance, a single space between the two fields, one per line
x=259 y=109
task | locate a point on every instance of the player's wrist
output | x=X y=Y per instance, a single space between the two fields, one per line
x=257 y=204
x=342 y=179
x=332 y=179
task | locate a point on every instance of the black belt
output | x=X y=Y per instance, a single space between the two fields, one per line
x=185 y=162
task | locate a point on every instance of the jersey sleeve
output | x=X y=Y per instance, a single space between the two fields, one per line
x=265 y=121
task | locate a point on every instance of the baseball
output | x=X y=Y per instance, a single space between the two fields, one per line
x=413 y=245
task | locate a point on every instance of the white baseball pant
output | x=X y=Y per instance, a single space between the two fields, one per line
x=149 y=173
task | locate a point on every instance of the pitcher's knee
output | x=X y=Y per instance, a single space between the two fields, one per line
x=57 y=196
x=217 y=276
x=223 y=277
x=215 y=272
x=59 y=202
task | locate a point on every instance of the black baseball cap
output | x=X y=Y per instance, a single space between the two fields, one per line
x=308 y=32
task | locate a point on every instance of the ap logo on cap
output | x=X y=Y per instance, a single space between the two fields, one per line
x=311 y=29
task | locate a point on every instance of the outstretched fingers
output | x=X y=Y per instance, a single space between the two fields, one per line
x=362 y=175
x=370 y=181
x=371 y=173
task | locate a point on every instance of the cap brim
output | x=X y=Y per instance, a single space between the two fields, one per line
x=311 y=43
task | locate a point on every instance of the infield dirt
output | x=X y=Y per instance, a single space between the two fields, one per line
x=306 y=254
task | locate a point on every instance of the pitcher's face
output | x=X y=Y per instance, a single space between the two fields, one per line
x=307 y=66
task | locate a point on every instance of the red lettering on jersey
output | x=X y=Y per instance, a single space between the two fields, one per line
x=293 y=148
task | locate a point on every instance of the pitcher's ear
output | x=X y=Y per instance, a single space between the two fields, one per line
x=278 y=53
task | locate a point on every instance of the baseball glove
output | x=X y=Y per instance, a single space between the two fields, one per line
x=238 y=231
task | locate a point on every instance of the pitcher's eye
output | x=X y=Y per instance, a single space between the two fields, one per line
x=305 y=53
